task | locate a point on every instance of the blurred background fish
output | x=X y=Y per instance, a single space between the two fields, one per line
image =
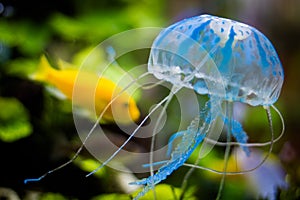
x=103 y=89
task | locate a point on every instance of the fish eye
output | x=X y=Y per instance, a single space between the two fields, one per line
x=125 y=105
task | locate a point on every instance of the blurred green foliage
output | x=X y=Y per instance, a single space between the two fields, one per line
x=85 y=27
x=42 y=126
x=112 y=197
x=89 y=165
x=167 y=192
x=163 y=191
x=28 y=38
x=52 y=196
x=14 y=120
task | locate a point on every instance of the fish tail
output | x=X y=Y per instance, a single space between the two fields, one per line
x=43 y=71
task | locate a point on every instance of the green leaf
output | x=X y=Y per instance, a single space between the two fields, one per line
x=52 y=196
x=14 y=120
x=21 y=67
x=89 y=165
x=26 y=36
x=112 y=197
x=166 y=192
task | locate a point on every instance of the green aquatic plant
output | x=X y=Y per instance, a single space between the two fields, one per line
x=52 y=196
x=14 y=120
x=28 y=38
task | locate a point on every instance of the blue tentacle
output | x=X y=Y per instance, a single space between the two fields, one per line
x=238 y=133
x=171 y=139
x=190 y=139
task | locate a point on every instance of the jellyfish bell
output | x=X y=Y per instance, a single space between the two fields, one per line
x=248 y=64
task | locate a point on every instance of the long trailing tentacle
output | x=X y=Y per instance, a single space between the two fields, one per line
x=229 y=111
x=147 y=87
x=256 y=144
x=238 y=133
x=263 y=160
x=171 y=140
x=177 y=159
x=88 y=135
x=214 y=109
x=129 y=138
x=174 y=90
x=191 y=138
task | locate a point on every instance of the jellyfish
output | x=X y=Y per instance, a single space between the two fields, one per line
x=225 y=60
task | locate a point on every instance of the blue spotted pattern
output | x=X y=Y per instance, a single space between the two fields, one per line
x=248 y=63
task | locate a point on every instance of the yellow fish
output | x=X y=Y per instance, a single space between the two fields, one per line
x=122 y=110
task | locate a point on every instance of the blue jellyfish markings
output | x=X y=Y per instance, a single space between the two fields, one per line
x=227 y=60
